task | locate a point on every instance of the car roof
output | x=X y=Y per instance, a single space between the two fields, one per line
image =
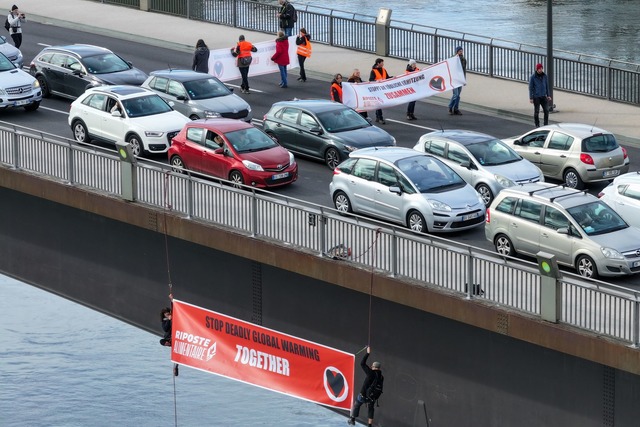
x=315 y=105
x=221 y=125
x=181 y=75
x=389 y=154
x=579 y=130
x=628 y=178
x=81 y=50
x=121 y=91
x=552 y=193
x=464 y=137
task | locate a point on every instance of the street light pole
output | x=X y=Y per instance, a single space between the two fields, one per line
x=550 y=71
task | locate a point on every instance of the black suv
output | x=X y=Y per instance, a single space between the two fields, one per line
x=69 y=70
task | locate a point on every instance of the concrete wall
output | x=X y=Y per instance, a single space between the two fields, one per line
x=445 y=359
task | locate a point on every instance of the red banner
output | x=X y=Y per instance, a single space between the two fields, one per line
x=240 y=350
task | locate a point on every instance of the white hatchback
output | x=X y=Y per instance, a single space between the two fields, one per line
x=623 y=195
x=125 y=113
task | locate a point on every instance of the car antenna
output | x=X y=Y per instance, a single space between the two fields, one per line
x=594 y=124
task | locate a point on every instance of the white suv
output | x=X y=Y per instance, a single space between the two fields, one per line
x=125 y=113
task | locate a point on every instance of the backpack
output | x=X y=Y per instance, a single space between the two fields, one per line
x=375 y=389
x=7 y=26
x=294 y=14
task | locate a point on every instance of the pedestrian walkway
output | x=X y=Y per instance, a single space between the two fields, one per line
x=482 y=94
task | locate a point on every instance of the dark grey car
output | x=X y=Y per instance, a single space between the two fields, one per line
x=322 y=129
x=68 y=71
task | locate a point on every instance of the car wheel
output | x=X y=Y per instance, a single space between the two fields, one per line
x=503 y=245
x=416 y=222
x=80 y=132
x=236 y=179
x=194 y=117
x=572 y=179
x=44 y=86
x=177 y=165
x=136 y=145
x=332 y=158
x=486 y=193
x=342 y=203
x=586 y=267
x=32 y=107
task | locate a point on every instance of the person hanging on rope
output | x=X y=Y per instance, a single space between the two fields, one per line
x=165 y=317
x=370 y=391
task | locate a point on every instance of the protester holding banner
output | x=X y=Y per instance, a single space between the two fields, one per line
x=303 y=40
x=455 y=98
x=336 y=88
x=379 y=73
x=242 y=53
x=411 y=67
x=370 y=391
x=281 y=57
x=355 y=78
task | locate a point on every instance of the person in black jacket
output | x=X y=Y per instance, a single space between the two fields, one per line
x=373 y=374
x=166 y=317
x=201 y=57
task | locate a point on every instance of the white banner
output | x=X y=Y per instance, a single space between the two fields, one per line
x=437 y=78
x=223 y=65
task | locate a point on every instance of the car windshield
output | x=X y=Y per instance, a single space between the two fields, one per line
x=250 y=140
x=493 y=152
x=341 y=120
x=429 y=174
x=206 y=88
x=145 y=106
x=602 y=143
x=5 y=64
x=597 y=218
x=105 y=63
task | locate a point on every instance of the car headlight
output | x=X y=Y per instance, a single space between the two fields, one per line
x=349 y=148
x=249 y=108
x=611 y=253
x=209 y=114
x=292 y=159
x=153 y=133
x=393 y=141
x=439 y=206
x=504 y=181
x=35 y=84
x=252 y=166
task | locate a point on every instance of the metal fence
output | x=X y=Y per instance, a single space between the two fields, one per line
x=475 y=273
x=577 y=73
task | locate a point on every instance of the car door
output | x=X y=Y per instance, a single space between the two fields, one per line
x=388 y=205
x=285 y=128
x=456 y=157
x=310 y=138
x=174 y=90
x=75 y=81
x=555 y=154
x=524 y=229
x=362 y=187
x=627 y=203
x=531 y=146
x=559 y=244
x=54 y=71
x=114 y=128
x=92 y=114
x=216 y=155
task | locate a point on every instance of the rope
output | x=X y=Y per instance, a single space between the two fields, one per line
x=374 y=246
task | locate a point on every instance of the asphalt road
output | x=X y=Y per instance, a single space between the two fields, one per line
x=313 y=183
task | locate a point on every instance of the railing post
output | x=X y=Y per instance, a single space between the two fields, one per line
x=491 y=58
x=550 y=287
x=254 y=213
x=234 y=14
x=71 y=165
x=128 y=175
x=436 y=50
x=609 y=84
x=16 y=151
x=394 y=254
x=382 y=31
x=190 y=198
x=144 y=5
x=470 y=276
x=331 y=28
x=635 y=333
x=322 y=237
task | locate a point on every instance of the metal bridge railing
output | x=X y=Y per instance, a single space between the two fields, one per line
x=596 y=306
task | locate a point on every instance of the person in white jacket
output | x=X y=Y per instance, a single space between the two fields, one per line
x=16 y=19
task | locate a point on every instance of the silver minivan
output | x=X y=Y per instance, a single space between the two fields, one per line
x=482 y=160
x=579 y=229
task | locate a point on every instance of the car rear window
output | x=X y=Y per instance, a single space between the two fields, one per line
x=601 y=143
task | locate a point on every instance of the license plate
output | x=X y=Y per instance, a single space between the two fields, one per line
x=280 y=176
x=607 y=174
x=636 y=264
x=17 y=103
x=470 y=216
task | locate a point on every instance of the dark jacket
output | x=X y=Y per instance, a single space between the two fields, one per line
x=371 y=375
x=281 y=57
x=286 y=15
x=538 y=86
x=201 y=60
x=463 y=62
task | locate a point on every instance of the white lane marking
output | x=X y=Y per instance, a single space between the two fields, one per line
x=238 y=87
x=43 y=44
x=54 y=110
x=408 y=124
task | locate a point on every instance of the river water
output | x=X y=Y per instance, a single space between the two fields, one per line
x=603 y=28
x=65 y=365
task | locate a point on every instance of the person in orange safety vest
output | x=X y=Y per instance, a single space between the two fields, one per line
x=336 y=88
x=378 y=73
x=242 y=53
x=303 y=40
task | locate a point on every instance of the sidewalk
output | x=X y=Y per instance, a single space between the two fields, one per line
x=482 y=94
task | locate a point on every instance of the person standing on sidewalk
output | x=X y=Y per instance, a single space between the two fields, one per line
x=370 y=391
x=287 y=17
x=304 y=51
x=281 y=57
x=378 y=73
x=539 y=95
x=336 y=88
x=16 y=19
x=242 y=53
x=411 y=67
x=455 y=97
x=201 y=57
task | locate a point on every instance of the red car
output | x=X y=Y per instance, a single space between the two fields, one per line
x=232 y=150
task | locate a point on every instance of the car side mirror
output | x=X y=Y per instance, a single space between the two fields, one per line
x=316 y=130
x=395 y=189
x=219 y=150
x=116 y=113
x=230 y=88
x=563 y=230
x=466 y=164
x=517 y=142
x=181 y=97
x=78 y=73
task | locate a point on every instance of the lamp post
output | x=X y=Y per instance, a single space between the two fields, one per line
x=550 y=53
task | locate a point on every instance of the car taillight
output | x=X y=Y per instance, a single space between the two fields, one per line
x=337 y=171
x=488 y=217
x=587 y=159
x=624 y=152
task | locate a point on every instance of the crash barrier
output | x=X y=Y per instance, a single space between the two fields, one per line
x=574 y=72
x=428 y=260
